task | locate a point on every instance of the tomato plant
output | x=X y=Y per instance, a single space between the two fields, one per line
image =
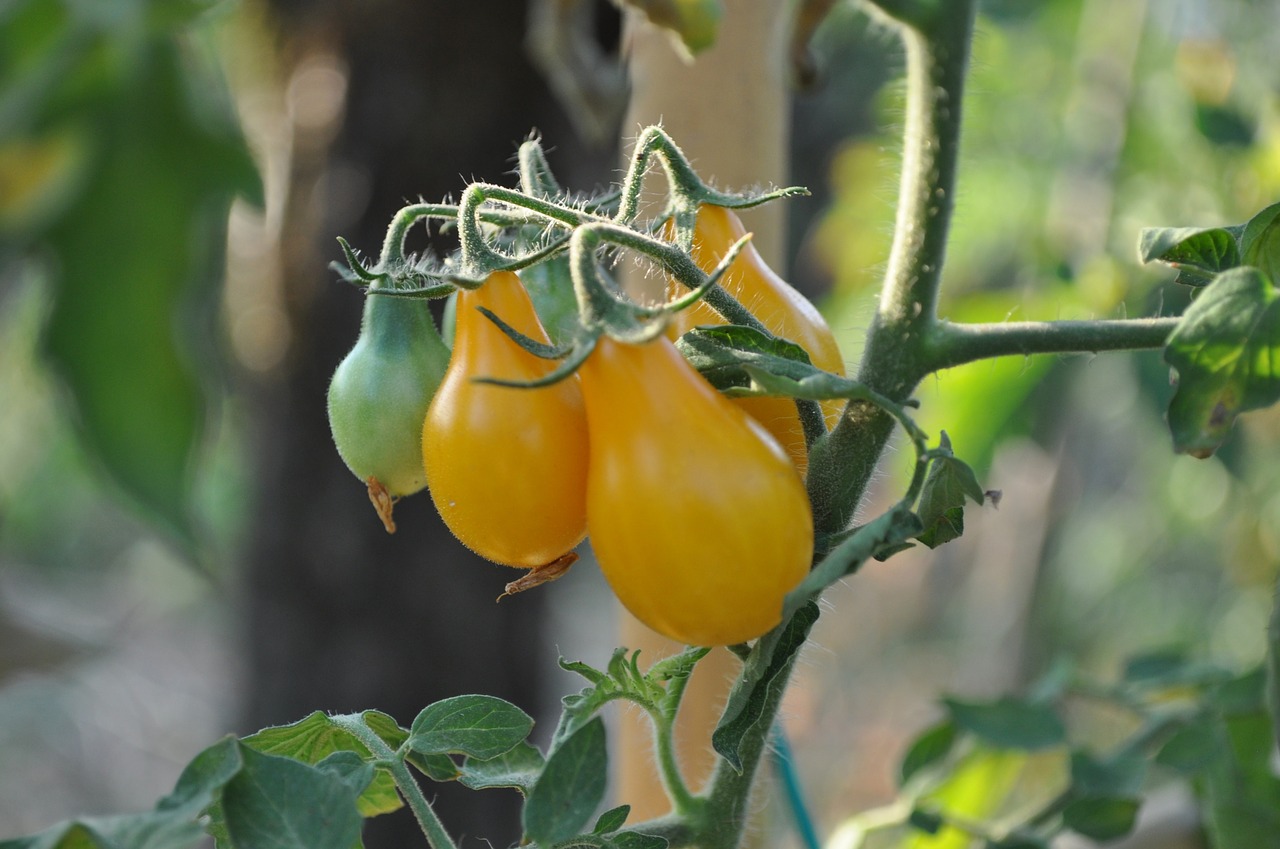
x=703 y=527
x=699 y=521
x=506 y=467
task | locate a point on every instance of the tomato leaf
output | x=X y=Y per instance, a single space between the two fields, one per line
x=1009 y=723
x=477 y=726
x=171 y=825
x=1114 y=776
x=570 y=788
x=132 y=303
x=932 y=745
x=763 y=673
x=1198 y=253
x=316 y=737
x=623 y=680
x=519 y=768
x=1226 y=350
x=1191 y=750
x=280 y=803
x=1260 y=243
x=612 y=820
x=949 y=483
x=1103 y=817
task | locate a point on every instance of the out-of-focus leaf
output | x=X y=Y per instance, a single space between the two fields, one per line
x=1226 y=350
x=1224 y=125
x=1103 y=817
x=118 y=159
x=693 y=22
x=932 y=745
x=1009 y=723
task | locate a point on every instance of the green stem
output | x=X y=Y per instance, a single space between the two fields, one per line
x=956 y=344
x=729 y=792
x=896 y=357
x=936 y=62
x=477 y=255
x=393 y=245
x=432 y=827
x=685 y=803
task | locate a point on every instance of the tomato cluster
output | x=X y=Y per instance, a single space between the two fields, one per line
x=695 y=504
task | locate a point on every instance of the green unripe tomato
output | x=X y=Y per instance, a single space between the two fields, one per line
x=379 y=396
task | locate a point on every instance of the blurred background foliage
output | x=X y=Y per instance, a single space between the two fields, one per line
x=1086 y=120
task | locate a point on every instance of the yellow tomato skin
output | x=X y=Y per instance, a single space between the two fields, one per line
x=506 y=467
x=696 y=515
x=778 y=306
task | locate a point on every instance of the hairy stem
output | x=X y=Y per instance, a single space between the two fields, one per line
x=686 y=804
x=955 y=344
x=432 y=827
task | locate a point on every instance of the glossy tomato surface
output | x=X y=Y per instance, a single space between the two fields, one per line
x=506 y=467
x=696 y=515
x=778 y=306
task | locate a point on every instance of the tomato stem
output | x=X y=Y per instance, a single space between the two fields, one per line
x=432 y=827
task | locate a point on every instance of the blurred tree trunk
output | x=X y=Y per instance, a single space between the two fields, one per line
x=340 y=615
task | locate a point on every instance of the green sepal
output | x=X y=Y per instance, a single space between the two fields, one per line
x=529 y=344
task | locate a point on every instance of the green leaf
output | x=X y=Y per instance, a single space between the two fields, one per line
x=1092 y=777
x=281 y=803
x=478 y=726
x=570 y=788
x=138 y=260
x=949 y=483
x=930 y=822
x=721 y=353
x=1009 y=723
x=612 y=820
x=518 y=768
x=882 y=534
x=1102 y=818
x=623 y=680
x=762 y=675
x=1273 y=662
x=1198 y=254
x=314 y=738
x=360 y=775
x=1226 y=350
x=1017 y=843
x=636 y=840
x=1191 y=750
x=1260 y=243
x=694 y=23
x=435 y=767
x=678 y=665
x=931 y=746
